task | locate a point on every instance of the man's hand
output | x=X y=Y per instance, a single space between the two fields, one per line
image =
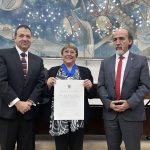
x=23 y=106
x=119 y=105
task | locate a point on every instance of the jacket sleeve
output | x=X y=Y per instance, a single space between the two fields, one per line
x=6 y=91
x=143 y=86
x=101 y=87
x=39 y=87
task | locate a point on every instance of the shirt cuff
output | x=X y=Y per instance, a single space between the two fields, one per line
x=33 y=104
x=14 y=102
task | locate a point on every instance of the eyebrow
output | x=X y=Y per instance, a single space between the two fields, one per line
x=121 y=38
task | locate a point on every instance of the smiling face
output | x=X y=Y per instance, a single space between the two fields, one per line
x=69 y=56
x=121 y=41
x=23 y=38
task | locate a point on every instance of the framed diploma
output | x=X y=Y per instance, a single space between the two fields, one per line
x=69 y=100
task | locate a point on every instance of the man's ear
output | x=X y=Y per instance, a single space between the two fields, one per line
x=130 y=42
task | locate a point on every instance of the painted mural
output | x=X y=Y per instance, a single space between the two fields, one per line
x=86 y=23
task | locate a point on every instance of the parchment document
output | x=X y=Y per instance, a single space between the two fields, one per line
x=69 y=100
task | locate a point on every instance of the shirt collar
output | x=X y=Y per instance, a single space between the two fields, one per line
x=20 y=51
x=125 y=55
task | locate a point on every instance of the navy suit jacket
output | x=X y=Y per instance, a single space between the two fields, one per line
x=13 y=84
x=136 y=84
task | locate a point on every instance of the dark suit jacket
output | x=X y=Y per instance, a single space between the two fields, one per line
x=136 y=84
x=13 y=84
x=85 y=73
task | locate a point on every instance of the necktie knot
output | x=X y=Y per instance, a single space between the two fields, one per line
x=23 y=55
x=121 y=57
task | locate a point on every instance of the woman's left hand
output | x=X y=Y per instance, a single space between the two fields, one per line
x=87 y=84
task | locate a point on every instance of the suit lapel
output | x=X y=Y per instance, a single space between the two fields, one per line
x=128 y=65
x=17 y=62
x=112 y=68
x=30 y=66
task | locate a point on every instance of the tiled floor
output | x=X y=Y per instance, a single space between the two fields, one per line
x=90 y=143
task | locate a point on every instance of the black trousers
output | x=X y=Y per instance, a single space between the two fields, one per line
x=70 y=141
x=18 y=131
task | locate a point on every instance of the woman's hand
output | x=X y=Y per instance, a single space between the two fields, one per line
x=87 y=84
x=50 y=82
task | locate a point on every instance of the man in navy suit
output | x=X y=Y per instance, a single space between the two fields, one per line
x=20 y=89
x=123 y=115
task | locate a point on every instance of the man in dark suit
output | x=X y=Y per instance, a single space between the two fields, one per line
x=123 y=95
x=21 y=84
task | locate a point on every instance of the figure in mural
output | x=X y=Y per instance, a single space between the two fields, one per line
x=75 y=24
x=88 y=24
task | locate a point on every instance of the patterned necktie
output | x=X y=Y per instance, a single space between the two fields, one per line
x=118 y=77
x=24 y=64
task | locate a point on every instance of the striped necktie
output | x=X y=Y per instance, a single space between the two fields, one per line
x=24 y=64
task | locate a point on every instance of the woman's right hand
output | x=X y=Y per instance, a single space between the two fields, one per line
x=51 y=81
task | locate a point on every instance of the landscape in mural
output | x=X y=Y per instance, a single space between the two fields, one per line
x=86 y=23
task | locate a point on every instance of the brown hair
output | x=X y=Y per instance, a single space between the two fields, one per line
x=72 y=46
